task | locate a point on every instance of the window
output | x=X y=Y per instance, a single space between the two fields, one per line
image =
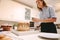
x=27 y=14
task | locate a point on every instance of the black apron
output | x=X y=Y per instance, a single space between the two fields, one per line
x=48 y=27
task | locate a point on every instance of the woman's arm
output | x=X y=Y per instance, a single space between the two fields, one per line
x=45 y=20
x=49 y=20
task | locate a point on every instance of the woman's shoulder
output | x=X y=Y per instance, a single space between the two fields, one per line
x=50 y=7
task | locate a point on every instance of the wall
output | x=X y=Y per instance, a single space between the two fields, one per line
x=13 y=11
x=58 y=18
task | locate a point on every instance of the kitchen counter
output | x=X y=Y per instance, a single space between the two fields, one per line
x=11 y=35
x=36 y=35
x=20 y=33
x=41 y=36
x=31 y=35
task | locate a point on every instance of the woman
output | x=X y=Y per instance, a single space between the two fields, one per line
x=47 y=17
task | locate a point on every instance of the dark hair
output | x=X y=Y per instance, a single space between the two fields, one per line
x=44 y=4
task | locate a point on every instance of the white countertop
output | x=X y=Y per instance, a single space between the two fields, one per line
x=30 y=35
x=20 y=33
x=35 y=36
x=11 y=35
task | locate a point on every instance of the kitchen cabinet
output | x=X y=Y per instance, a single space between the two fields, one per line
x=7 y=17
x=12 y=11
x=12 y=16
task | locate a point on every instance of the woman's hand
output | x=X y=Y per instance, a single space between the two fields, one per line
x=35 y=20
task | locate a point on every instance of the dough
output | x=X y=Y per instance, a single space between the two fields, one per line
x=4 y=37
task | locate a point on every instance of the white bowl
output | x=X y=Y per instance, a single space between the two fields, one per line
x=49 y=35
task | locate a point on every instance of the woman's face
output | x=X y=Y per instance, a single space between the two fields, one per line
x=39 y=3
